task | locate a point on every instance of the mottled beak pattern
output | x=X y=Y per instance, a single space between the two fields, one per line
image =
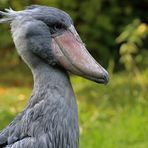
x=72 y=54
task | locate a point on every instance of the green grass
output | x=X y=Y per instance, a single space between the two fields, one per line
x=113 y=116
x=110 y=116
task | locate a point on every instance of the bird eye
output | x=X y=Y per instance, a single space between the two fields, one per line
x=56 y=28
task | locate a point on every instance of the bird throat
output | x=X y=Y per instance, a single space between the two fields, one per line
x=54 y=105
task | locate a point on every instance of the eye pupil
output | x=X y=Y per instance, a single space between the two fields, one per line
x=57 y=27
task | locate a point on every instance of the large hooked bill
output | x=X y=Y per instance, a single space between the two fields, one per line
x=72 y=54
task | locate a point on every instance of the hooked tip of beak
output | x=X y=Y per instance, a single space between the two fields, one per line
x=106 y=77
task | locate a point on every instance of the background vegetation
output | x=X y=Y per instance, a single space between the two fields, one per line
x=116 y=34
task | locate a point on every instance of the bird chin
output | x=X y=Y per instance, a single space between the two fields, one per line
x=71 y=53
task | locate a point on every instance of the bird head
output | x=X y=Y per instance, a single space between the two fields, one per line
x=50 y=34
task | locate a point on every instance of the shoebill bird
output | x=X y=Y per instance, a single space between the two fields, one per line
x=46 y=40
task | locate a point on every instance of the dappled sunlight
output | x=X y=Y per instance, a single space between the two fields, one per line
x=2 y=90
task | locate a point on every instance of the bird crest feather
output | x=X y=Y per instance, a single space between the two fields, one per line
x=7 y=16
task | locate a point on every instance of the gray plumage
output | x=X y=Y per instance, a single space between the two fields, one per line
x=50 y=118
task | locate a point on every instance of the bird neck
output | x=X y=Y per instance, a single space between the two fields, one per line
x=52 y=84
x=53 y=100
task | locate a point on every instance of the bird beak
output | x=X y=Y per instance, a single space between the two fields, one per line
x=71 y=53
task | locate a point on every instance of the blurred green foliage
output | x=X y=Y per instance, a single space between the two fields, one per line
x=111 y=116
x=131 y=49
x=99 y=23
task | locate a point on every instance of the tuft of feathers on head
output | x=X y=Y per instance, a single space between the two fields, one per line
x=7 y=16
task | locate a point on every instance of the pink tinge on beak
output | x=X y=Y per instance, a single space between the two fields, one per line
x=71 y=53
